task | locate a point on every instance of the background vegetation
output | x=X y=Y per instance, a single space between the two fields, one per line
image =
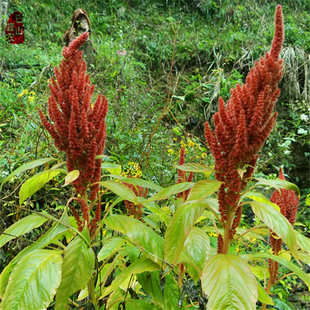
x=162 y=65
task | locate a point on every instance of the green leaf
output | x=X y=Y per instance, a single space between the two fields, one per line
x=176 y=131
x=203 y=189
x=120 y=190
x=258 y=197
x=196 y=252
x=140 y=265
x=288 y=264
x=171 y=292
x=108 y=166
x=112 y=245
x=78 y=266
x=151 y=285
x=138 y=182
x=153 y=207
x=229 y=283
x=31 y=165
x=21 y=227
x=35 y=183
x=71 y=176
x=277 y=184
x=112 y=168
x=263 y=297
x=140 y=304
x=171 y=190
x=56 y=230
x=277 y=222
x=260 y=272
x=140 y=234
x=305 y=257
x=194 y=168
x=179 y=97
x=33 y=281
x=302 y=241
x=178 y=229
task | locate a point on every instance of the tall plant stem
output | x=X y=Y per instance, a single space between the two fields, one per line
x=91 y=291
x=269 y=285
x=226 y=241
x=90 y=284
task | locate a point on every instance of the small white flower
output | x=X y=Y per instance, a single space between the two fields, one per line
x=287 y=152
x=304 y=117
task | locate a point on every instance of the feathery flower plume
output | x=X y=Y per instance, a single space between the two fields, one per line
x=287 y=200
x=77 y=128
x=242 y=127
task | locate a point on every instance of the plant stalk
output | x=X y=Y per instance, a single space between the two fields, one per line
x=226 y=241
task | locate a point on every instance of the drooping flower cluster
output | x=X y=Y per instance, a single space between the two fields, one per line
x=76 y=127
x=287 y=200
x=243 y=125
x=182 y=176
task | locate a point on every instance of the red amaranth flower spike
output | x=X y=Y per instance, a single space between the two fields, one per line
x=76 y=127
x=287 y=200
x=243 y=125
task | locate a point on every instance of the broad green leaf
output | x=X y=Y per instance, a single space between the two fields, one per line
x=139 y=234
x=178 y=229
x=277 y=184
x=305 y=257
x=44 y=240
x=78 y=266
x=58 y=165
x=263 y=297
x=71 y=176
x=302 y=241
x=36 y=182
x=258 y=197
x=108 y=166
x=277 y=222
x=138 y=182
x=229 y=283
x=302 y=275
x=171 y=190
x=140 y=304
x=151 y=285
x=25 y=167
x=33 y=281
x=194 y=168
x=260 y=272
x=212 y=204
x=110 y=246
x=112 y=168
x=120 y=190
x=21 y=227
x=171 y=292
x=195 y=252
x=203 y=189
x=258 y=233
x=153 y=207
x=140 y=265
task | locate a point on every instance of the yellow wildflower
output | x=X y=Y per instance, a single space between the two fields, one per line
x=212 y=234
x=191 y=143
x=31 y=99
